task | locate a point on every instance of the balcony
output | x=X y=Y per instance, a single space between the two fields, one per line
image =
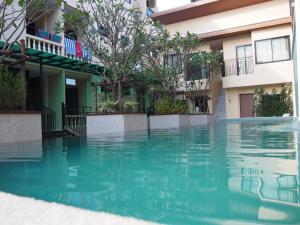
x=61 y=46
x=44 y=45
x=243 y=72
x=241 y=66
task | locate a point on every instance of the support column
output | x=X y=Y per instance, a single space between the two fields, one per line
x=41 y=85
x=56 y=95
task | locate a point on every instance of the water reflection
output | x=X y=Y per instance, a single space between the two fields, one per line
x=235 y=172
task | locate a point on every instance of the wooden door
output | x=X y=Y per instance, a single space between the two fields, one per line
x=246 y=105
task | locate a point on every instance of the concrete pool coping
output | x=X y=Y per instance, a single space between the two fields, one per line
x=27 y=211
x=258 y=119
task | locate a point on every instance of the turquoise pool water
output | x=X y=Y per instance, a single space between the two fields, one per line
x=227 y=173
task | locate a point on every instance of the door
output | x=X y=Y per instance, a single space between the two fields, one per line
x=244 y=56
x=246 y=105
x=72 y=107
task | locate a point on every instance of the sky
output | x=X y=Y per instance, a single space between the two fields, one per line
x=167 y=4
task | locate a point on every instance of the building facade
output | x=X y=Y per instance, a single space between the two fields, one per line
x=59 y=77
x=255 y=38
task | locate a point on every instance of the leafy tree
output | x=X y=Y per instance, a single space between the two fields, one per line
x=203 y=69
x=11 y=90
x=165 y=57
x=203 y=66
x=114 y=33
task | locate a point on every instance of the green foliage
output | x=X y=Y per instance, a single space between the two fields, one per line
x=108 y=105
x=273 y=104
x=113 y=32
x=181 y=107
x=203 y=65
x=165 y=56
x=165 y=105
x=11 y=90
x=130 y=104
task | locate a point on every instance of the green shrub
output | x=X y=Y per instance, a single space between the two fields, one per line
x=181 y=107
x=107 y=105
x=166 y=105
x=273 y=104
x=11 y=90
x=130 y=105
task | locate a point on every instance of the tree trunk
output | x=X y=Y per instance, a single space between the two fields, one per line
x=120 y=95
x=174 y=98
x=23 y=74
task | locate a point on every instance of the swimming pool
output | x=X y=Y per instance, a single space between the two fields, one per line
x=242 y=172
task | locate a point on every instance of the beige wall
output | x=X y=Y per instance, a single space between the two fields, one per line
x=233 y=98
x=264 y=74
x=267 y=11
x=230 y=44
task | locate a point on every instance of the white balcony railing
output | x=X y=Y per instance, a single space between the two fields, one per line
x=48 y=46
x=44 y=45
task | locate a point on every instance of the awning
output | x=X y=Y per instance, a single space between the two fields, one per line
x=56 y=60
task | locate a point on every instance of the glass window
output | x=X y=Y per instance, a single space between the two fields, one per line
x=197 y=72
x=244 y=59
x=173 y=62
x=272 y=50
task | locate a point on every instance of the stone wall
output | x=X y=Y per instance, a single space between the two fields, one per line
x=19 y=127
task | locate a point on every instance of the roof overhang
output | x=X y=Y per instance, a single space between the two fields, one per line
x=243 y=29
x=200 y=9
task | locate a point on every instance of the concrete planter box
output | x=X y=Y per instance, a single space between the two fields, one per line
x=109 y=124
x=178 y=121
x=19 y=127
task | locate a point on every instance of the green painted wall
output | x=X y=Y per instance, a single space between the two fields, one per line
x=56 y=95
x=82 y=92
x=91 y=97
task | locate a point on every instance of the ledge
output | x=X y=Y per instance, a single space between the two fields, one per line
x=116 y=114
x=20 y=112
x=23 y=210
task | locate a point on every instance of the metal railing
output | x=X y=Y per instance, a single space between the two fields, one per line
x=238 y=66
x=75 y=124
x=48 y=120
x=74 y=119
x=78 y=110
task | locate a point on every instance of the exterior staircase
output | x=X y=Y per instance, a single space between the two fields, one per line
x=220 y=110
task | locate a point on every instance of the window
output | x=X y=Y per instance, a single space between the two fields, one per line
x=196 y=72
x=244 y=55
x=201 y=104
x=71 y=82
x=196 y=69
x=173 y=62
x=128 y=1
x=272 y=50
